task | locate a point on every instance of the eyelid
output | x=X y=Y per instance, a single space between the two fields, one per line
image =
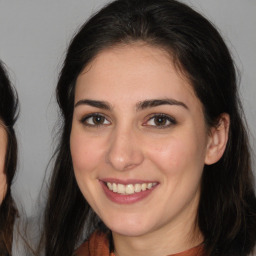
x=91 y=115
x=162 y=115
x=169 y=119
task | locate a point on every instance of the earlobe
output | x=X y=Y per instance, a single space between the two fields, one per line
x=218 y=139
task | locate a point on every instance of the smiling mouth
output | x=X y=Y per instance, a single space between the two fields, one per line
x=129 y=189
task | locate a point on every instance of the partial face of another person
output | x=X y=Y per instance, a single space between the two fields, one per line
x=139 y=141
x=3 y=147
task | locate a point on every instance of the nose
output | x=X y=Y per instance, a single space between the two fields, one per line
x=125 y=151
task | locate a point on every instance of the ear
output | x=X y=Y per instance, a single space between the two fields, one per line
x=217 y=140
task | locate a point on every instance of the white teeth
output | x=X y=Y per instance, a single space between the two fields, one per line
x=120 y=189
x=130 y=188
x=110 y=187
x=137 y=188
x=143 y=186
x=114 y=187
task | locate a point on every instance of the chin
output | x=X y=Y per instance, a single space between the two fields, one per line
x=128 y=227
x=129 y=232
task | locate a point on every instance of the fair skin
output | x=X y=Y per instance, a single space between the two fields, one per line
x=137 y=122
x=3 y=147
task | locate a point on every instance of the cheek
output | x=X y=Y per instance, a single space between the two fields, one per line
x=85 y=152
x=169 y=157
x=178 y=155
x=2 y=160
x=3 y=186
x=3 y=146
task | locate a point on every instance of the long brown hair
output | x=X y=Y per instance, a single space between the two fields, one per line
x=227 y=208
x=8 y=115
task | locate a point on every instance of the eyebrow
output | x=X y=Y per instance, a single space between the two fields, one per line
x=94 y=103
x=139 y=106
x=158 y=102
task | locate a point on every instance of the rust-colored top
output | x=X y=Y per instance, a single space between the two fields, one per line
x=98 y=245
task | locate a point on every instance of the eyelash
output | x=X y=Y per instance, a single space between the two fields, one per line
x=165 y=118
x=85 y=119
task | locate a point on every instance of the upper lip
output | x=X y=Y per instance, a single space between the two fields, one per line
x=127 y=181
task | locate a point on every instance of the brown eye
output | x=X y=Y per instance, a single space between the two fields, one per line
x=160 y=121
x=98 y=120
x=95 y=120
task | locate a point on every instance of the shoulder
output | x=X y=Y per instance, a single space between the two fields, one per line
x=96 y=245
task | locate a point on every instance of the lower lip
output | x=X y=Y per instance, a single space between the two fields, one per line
x=126 y=199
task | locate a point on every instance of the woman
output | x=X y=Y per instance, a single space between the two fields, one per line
x=153 y=157
x=8 y=159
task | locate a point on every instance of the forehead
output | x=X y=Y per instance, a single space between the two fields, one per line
x=135 y=69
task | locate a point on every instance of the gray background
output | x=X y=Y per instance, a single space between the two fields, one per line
x=33 y=37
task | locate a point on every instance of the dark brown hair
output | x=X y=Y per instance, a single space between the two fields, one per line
x=8 y=115
x=227 y=208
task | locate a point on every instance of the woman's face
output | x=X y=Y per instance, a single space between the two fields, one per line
x=139 y=141
x=3 y=147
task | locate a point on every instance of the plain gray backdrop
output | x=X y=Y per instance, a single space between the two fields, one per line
x=34 y=35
